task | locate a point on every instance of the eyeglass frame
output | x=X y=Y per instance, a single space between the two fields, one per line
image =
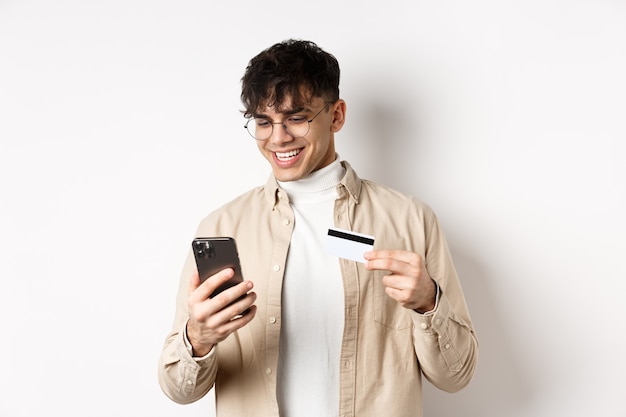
x=309 y=121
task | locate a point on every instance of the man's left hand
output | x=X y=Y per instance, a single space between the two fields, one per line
x=408 y=281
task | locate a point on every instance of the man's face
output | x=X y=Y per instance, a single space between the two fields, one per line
x=295 y=158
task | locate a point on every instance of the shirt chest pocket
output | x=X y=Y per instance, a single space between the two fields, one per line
x=387 y=311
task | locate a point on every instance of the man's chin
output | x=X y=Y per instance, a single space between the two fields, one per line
x=286 y=175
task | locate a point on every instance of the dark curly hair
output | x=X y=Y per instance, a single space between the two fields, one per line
x=295 y=69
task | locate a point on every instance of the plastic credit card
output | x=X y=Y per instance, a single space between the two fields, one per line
x=347 y=244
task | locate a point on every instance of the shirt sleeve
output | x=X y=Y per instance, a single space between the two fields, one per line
x=183 y=378
x=444 y=339
x=447 y=349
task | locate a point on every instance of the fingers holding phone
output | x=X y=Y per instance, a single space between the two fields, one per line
x=200 y=293
x=220 y=301
x=211 y=320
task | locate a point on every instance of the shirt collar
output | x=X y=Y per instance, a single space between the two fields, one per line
x=351 y=182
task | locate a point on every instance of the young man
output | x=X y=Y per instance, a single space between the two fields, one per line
x=320 y=335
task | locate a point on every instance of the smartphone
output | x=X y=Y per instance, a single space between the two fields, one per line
x=214 y=254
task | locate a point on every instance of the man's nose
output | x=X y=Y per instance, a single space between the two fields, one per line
x=279 y=134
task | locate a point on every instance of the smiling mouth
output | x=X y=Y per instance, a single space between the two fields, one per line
x=287 y=156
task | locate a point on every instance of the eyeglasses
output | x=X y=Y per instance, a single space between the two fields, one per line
x=295 y=126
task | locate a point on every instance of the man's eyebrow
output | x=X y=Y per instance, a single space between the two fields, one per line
x=285 y=112
x=296 y=110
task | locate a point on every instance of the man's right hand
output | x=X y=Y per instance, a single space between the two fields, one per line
x=211 y=320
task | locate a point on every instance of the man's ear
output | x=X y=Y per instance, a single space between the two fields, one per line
x=338 y=113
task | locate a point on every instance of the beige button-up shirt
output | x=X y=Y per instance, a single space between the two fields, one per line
x=385 y=349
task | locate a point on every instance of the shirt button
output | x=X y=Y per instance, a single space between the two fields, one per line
x=286 y=222
x=189 y=382
x=424 y=326
x=272 y=319
x=447 y=346
x=268 y=371
x=276 y=268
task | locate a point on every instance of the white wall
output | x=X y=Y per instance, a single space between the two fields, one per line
x=120 y=128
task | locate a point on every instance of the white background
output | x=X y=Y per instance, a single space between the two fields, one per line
x=120 y=129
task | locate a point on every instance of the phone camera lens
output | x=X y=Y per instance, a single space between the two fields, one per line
x=204 y=249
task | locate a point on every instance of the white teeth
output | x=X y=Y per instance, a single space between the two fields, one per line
x=284 y=156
